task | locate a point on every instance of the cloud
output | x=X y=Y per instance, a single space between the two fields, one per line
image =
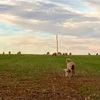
x=49 y=17
x=22 y=19
x=78 y=45
x=27 y=44
x=94 y=3
x=35 y=44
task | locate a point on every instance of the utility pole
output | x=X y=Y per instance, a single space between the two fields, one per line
x=57 y=42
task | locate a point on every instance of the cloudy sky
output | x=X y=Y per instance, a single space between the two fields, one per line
x=30 y=26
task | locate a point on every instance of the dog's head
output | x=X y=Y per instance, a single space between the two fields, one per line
x=68 y=60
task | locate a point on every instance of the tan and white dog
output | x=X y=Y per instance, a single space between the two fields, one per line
x=70 y=71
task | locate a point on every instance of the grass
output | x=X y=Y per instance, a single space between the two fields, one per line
x=14 y=68
x=30 y=65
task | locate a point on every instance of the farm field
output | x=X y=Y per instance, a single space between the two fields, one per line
x=41 y=77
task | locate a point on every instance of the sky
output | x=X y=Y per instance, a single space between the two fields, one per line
x=31 y=26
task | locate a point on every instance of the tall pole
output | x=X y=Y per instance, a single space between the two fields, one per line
x=57 y=42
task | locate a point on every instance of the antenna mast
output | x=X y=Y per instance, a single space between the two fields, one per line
x=57 y=42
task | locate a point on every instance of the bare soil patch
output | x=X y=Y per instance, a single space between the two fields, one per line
x=55 y=87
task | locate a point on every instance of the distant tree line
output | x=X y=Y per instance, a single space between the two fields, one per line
x=19 y=52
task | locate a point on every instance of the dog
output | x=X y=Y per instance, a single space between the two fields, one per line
x=70 y=70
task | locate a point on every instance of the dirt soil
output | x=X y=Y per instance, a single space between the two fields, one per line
x=55 y=87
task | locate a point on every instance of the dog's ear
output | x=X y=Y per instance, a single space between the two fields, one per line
x=68 y=60
x=73 y=67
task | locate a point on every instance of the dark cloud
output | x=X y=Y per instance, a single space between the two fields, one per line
x=52 y=18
